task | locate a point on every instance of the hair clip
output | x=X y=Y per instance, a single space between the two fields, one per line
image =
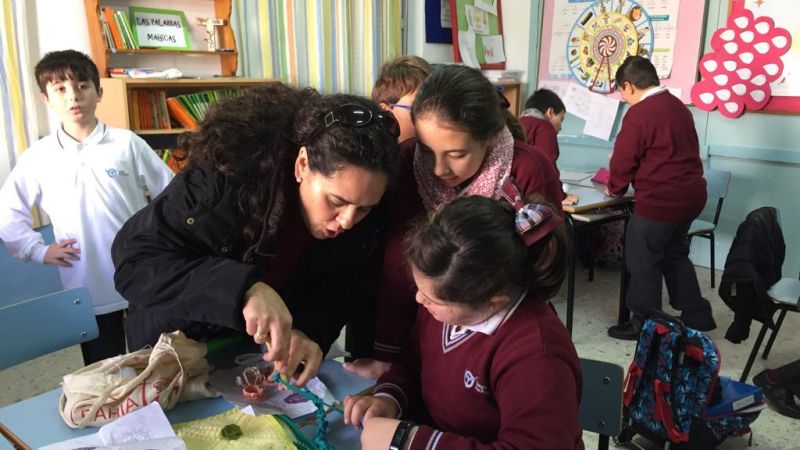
x=533 y=221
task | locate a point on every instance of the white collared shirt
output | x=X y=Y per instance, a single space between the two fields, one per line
x=89 y=189
x=653 y=91
x=491 y=324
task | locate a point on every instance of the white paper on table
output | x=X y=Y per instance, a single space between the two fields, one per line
x=444 y=15
x=466 y=46
x=489 y=6
x=493 y=49
x=477 y=20
x=145 y=428
x=274 y=401
x=602 y=115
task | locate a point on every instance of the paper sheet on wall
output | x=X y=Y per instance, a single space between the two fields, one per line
x=565 y=12
x=444 y=15
x=493 y=49
x=489 y=6
x=789 y=83
x=576 y=98
x=601 y=116
x=477 y=20
x=664 y=17
x=466 y=46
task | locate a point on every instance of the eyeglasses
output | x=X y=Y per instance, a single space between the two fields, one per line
x=356 y=116
x=401 y=106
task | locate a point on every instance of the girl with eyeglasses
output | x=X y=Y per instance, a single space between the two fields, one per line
x=463 y=147
x=267 y=230
x=488 y=365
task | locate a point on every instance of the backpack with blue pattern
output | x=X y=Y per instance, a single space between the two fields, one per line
x=671 y=380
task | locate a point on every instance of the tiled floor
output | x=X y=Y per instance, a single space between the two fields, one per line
x=596 y=309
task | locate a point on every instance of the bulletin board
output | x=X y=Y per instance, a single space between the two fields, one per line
x=786 y=14
x=687 y=35
x=458 y=11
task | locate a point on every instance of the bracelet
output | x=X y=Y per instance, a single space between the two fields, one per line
x=401 y=434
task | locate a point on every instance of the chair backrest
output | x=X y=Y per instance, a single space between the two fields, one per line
x=41 y=325
x=717 y=182
x=601 y=402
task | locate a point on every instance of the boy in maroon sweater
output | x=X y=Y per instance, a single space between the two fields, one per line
x=657 y=151
x=489 y=364
x=544 y=112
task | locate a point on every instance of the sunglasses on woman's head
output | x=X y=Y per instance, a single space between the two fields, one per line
x=356 y=116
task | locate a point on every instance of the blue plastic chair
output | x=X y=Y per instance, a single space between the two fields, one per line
x=42 y=325
x=601 y=401
x=717 y=182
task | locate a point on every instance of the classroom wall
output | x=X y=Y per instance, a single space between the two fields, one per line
x=516 y=32
x=760 y=150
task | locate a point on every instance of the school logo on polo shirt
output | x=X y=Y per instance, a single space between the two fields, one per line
x=469 y=379
x=113 y=173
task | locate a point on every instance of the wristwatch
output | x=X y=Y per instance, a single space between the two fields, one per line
x=401 y=435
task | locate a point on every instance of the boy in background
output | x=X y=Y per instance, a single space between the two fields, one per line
x=657 y=151
x=544 y=112
x=396 y=87
x=89 y=178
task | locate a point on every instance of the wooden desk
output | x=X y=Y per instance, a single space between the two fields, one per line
x=585 y=216
x=37 y=422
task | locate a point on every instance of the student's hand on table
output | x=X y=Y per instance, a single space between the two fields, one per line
x=358 y=409
x=301 y=350
x=606 y=193
x=367 y=367
x=61 y=253
x=268 y=320
x=570 y=200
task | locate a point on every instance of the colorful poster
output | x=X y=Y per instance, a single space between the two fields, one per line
x=590 y=38
x=493 y=49
x=477 y=20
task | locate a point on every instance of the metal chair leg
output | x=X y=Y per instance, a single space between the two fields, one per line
x=712 y=259
x=571 y=278
x=774 y=334
x=753 y=353
x=602 y=442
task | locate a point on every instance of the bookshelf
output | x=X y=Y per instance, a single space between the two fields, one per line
x=119 y=94
x=105 y=58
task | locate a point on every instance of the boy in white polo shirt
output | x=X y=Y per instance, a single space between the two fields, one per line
x=89 y=178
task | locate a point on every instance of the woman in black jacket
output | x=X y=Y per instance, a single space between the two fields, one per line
x=264 y=231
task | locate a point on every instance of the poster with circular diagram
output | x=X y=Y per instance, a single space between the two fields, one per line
x=606 y=33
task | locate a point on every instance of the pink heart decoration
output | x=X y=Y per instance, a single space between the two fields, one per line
x=746 y=59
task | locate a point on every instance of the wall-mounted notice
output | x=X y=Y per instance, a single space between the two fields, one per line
x=159 y=28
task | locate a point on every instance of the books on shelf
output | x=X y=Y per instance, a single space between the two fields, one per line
x=117 y=29
x=496 y=76
x=152 y=109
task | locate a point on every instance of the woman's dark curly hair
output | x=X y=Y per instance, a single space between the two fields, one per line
x=254 y=140
x=473 y=251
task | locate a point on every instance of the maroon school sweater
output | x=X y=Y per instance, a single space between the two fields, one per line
x=395 y=305
x=657 y=151
x=541 y=135
x=517 y=388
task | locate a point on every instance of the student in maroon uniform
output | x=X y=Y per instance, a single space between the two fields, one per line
x=489 y=364
x=463 y=147
x=657 y=151
x=544 y=112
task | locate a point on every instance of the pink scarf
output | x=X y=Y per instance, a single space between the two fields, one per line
x=486 y=183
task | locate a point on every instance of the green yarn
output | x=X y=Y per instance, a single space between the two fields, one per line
x=321 y=438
